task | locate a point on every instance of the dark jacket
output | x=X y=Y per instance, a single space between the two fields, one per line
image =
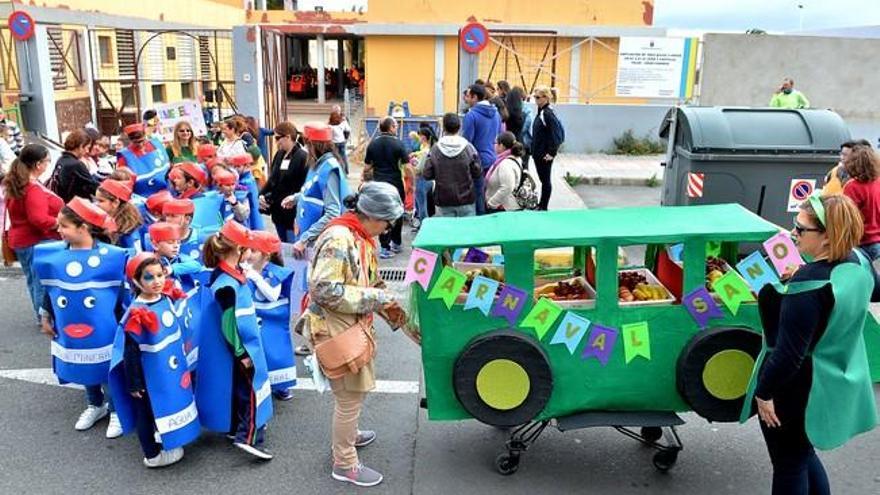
x=543 y=140
x=453 y=164
x=481 y=127
x=73 y=178
x=283 y=183
x=385 y=154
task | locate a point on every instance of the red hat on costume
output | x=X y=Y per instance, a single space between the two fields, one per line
x=206 y=152
x=135 y=261
x=194 y=171
x=118 y=189
x=134 y=129
x=236 y=233
x=265 y=242
x=318 y=131
x=157 y=200
x=175 y=173
x=178 y=207
x=240 y=160
x=91 y=214
x=224 y=177
x=164 y=232
x=210 y=163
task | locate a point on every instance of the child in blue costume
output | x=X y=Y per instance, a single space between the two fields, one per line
x=83 y=279
x=149 y=381
x=151 y=212
x=242 y=165
x=146 y=158
x=235 y=205
x=184 y=279
x=233 y=395
x=114 y=197
x=189 y=182
x=180 y=212
x=270 y=282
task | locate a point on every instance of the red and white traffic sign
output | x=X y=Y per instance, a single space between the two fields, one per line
x=473 y=37
x=695 y=184
x=21 y=25
x=800 y=191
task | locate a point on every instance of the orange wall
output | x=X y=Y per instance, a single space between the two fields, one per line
x=400 y=69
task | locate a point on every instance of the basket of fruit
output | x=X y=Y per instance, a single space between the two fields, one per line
x=640 y=287
x=471 y=271
x=715 y=269
x=572 y=292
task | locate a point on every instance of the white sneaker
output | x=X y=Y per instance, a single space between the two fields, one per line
x=90 y=416
x=114 y=427
x=165 y=458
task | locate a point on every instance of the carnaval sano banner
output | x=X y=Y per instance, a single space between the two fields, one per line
x=656 y=67
x=172 y=113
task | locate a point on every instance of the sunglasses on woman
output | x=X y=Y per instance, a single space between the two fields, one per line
x=279 y=137
x=800 y=229
x=186 y=130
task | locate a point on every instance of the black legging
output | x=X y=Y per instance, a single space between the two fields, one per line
x=544 y=167
x=395 y=234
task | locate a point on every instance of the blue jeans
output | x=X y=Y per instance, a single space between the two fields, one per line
x=456 y=211
x=872 y=250
x=340 y=147
x=35 y=288
x=422 y=188
x=95 y=396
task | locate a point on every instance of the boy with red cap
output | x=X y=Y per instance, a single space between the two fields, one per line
x=233 y=379
x=83 y=302
x=146 y=157
x=114 y=197
x=180 y=213
x=242 y=165
x=235 y=205
x=190 y=183
x=270 y=282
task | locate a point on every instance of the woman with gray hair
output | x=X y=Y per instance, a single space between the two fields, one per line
x=344 y=292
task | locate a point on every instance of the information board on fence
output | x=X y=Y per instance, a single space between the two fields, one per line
x=172 y=113
x=655 y=67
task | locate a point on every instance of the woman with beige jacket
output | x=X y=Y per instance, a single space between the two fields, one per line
x=504 y=175
x=344 y=289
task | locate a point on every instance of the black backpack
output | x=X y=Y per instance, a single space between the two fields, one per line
x=526 y=193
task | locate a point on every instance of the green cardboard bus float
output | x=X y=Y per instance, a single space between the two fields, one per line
x=512 y=338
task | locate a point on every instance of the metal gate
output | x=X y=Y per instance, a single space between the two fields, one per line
x=134 y=69
x=525 y=59
x=274 y=61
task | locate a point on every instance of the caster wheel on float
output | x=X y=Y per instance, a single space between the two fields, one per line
x=651 y=433
x=507 y=463
x=665 y=460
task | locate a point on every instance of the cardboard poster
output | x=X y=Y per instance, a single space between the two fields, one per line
x=172 y=113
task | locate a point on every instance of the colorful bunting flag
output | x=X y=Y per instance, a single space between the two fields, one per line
x=570 y=331
x=474 y=255
x=701 y=306
x=542 y=316
x=482 y=294
x=448 y=285
x=510 y=304
x=783 y=253
x=733 y=291
x=600 y=343
x=636 y=341
x=757 y=272
x=421 y=267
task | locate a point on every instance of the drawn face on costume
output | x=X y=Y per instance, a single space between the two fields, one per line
x=811 y=241
x=70 y=233
x=167 y=249
x=152 y=279
x=107 y=203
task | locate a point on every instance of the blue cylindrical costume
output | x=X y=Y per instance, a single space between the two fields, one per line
x=85 y=286
x=253 y=197
x=150 y=169
x=207 y=214
x=216 y=360
x=310 y=206
x=274 y=320
x=167 y=380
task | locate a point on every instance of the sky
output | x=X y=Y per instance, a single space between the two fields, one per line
x=769 y=15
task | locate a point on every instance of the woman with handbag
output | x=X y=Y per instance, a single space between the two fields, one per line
x=344 y=292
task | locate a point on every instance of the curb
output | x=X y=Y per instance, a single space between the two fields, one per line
x=13 y=271
x=618 y=181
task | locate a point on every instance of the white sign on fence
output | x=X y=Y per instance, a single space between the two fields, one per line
x=651 y=67
x=172 y=113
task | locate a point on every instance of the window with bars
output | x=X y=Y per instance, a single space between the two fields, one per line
x=205 y=57
x=56 y=58
x=125 y=53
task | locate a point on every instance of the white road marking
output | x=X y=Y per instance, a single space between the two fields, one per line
x=45 y=376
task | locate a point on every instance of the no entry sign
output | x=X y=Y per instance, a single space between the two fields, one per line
x=474 y=37
x=21 y=25
x=801 y=189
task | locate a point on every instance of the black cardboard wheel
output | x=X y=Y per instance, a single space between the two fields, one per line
x=713 y=371
x=651 y=433
x=506 y=463
x=503 y=378
x=664 y=460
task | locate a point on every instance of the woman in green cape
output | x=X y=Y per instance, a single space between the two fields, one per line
x=814 y=360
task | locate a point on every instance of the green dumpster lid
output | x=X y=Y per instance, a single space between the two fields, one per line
x=761 y=129
x=643 y=225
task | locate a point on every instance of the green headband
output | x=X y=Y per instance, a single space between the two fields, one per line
x=818 y=207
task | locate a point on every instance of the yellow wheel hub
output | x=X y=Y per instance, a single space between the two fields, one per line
x=503 y=384
x=726 y=375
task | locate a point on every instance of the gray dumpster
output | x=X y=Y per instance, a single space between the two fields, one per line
x=764 y=159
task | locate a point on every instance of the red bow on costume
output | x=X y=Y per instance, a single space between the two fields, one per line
x=140 y=318
x=173 y=291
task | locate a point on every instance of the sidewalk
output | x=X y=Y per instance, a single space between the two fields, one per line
x=611 y=170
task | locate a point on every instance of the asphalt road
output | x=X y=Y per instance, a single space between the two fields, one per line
x=42 y=453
